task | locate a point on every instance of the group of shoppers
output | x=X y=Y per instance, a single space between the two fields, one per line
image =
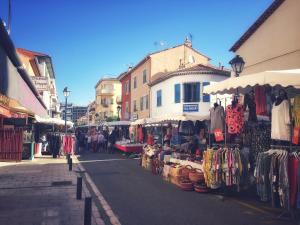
x=97 y=141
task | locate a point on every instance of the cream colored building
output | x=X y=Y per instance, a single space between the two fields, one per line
x=155 y=65
x=40 y=69
x=273 y=41
x=108 y=97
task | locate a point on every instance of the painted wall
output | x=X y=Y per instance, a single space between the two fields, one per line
x=126 y=97
x=169 y=107
x=276 y=44
x=167 y=61
x=112 y=94
x=141 y=89
x=156 y=66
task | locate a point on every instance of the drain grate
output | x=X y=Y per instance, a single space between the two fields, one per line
x=61 y=183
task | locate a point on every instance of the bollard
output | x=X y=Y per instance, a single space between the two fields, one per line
x=79 y=188
x=68 y=158
x=88 y=211
x=70 y=165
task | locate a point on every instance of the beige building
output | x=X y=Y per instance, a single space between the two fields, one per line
x=155 y=65
x=273 y=41
x=108 y=97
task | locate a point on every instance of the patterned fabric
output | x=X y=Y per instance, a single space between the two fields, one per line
x=235 y=119
x=257 y=136
x=296 y=111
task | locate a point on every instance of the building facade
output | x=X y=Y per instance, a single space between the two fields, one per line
x=273 y=41
x=40 y=69
x=155 y=65
x=108 y=98
x=74 y=112
x=181 y=92
x=125 y=79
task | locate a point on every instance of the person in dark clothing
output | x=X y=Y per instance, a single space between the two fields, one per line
x=106 y=135
x=112 y=140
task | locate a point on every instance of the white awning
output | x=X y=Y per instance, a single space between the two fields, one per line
x=50 y=120
x=117 y=123
x=283 y=78
x=170 y=118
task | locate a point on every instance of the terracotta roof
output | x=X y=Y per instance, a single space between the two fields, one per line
x=267 y=13
x=122 y=75
x=30 y=54
x=198 y=69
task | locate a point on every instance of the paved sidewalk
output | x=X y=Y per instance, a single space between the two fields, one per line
x=42 y=192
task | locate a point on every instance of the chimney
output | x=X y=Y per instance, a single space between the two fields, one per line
x=129 y=68
x=222 y=67
x=188 y=42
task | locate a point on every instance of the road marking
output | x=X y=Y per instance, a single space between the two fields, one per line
x=252 y=207
x=114 y=220
x=104 y=160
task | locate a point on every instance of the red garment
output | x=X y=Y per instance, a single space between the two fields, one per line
x=260 y=100
x=150 y=139
x=140 y=135
x=293 y=183
x=68 y=144
x=235 y=118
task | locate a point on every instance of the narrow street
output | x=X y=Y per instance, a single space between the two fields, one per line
x=139 y=198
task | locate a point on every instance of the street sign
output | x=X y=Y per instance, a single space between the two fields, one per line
x=41 y=83
x=190 y=108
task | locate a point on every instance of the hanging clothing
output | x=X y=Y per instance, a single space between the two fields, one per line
x=293 y=178
x=235 y=119
x=222 y=166
x=260 y=100
x=271 y=173
x=296 y=111
x=281 y=121
x=217 y=118
x=250 y=107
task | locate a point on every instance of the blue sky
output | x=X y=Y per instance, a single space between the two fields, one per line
x=94 y=38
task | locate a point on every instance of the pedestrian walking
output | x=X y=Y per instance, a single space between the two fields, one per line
x=106 y=135
x=101 y=142
x=112 y=140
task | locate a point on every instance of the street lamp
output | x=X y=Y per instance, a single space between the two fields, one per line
x=237 y=64
x=66 y=94
x=119 y=108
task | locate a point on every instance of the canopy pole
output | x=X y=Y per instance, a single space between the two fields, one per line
x=225 y=129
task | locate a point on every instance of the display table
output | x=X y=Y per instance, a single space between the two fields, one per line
x=129 y=148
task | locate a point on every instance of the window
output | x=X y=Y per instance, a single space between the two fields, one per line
x=144 y=76
x=127 y=87
x=158 y=98
x=112 y=101
x=134 y=106
x=177 y=93
x=206 y=97
x=134 y=82
x=141 y=103
x=127 y=107
x=146 y=100
x=192 y=92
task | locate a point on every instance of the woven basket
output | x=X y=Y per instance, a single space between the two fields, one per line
x=196 y=175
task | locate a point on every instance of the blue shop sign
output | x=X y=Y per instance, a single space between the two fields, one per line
x=190 y=108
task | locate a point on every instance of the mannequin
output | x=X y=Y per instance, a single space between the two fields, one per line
x=281 y=96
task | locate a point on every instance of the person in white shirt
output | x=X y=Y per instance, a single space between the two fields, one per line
x=89 y=141
x=101 y=141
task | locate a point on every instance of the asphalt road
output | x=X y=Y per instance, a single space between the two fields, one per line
x=140 y=198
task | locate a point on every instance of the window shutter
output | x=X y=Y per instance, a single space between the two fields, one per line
x=206 y=97
x=197 y=96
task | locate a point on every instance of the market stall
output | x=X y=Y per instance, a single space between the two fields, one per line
x=261 y=129
x=123 y=142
